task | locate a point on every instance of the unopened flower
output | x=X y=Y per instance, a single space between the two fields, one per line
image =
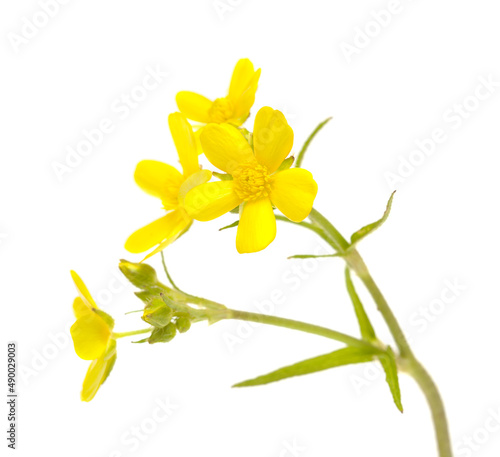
x=257 y=183
x=92 y=337
x=170 y=186
x=232 y=109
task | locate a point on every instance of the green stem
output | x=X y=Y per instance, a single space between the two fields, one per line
x=117 y=335
x=410 y=363
x=204 y=302
x=333 y=236
x=167 y=273
x=307 y=225
x=427 y=385
x=300 y=156
x=293 y=325
x=357 y=264
x=192 y=298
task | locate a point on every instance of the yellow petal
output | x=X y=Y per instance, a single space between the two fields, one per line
x=272 y=138
x=80 y=308
x=185 y=143
x=97 y=372
x=184 y=223
x=194 y=180
x=159 y=180
x=83 y=291
x=246 y=100
x=293 y=192
x=257 y=227
x=242 y=76
x=90 y=336
x=225 y=147
x=167 y=227
x=197 y=134
x=211 y=200
x=194 y=106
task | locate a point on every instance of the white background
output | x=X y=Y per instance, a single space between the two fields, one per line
x=400 y=85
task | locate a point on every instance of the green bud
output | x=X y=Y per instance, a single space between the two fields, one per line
x=286 y=164
x=105 y=317
x=145 y=295
x=140 y=275
x=222 y=176
x=163 y=335
x=183 y=323
x=157 y=313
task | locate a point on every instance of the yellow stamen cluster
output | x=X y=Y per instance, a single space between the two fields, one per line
x=251 y=181
x=221 y=110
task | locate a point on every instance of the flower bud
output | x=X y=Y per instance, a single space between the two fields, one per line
x=140 y=275
x=163 y=335
x=157 y=313
x=183 y=323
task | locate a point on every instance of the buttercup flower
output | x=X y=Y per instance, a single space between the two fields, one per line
x=170 y=186
x=257 y=183
x=92 y=337
x=232 y=109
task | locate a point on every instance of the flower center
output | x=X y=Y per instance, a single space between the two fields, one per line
x=251 y=181
x=221 y=110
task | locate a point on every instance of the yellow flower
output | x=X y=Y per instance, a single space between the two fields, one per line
x=92 y=337
x=170 y=186
x=232 y=109
x=257 y=182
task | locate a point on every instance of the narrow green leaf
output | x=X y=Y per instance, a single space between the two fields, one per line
x=222 y=176
x=334 y=359
x=367 y=229
x=388 y=361
x=234 y=224
x=365 y=325
x=286 y=164
x=300 y=156
x=312 y=256
x=144 y=340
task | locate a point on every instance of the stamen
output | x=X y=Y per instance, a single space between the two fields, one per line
x=251 y=181
x=221 y=110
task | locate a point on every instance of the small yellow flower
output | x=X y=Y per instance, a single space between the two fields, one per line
x=256 y=183
x=92 y=337
x=232 y=109
x=170 y=186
